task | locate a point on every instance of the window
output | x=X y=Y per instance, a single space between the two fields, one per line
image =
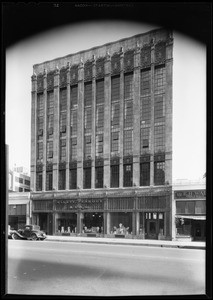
x=99 y=145
x=50 y=123
x=115 y=115
x=145 y=174
x=73 y=179
x=74 y=96
x=159 y=137
x=73 y=154
x=39 y=181
x=40 y=105
x=99 y=118
x=73 y=122
x=40 y=121
x=39 y=150
x=49 y=181
x=200 y=207
x=160 y=80
x=27 y=182
x=127 y=142
x=63 y=150
x=114 y=178
x=87 y=146
x=62 y=180
x=87 y=120
x=49 y=149
x=115 y=88
x=159 y=110
x=21 y=180
x=159 y=173
x=99 y=172
x=87 y=178
x=100 y=91
x=145 y=138
x=145 y=82
x=128 y=86
x=63 y=99
x=128 y=114
x=145 y=110
x=127 y=175
x=115 y=146
x=88 y=94
x=20 y=189
x=50 y=103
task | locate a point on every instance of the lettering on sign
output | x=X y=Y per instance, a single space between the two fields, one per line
x=193 y=194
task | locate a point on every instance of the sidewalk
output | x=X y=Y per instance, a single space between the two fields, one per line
x=135 y=242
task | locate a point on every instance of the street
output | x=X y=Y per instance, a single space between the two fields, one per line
x=65 y=268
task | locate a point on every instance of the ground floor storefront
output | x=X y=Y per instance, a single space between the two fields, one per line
x=193 y=227
x=145 y=217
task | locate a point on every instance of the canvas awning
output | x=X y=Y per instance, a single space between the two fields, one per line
x=197 y=217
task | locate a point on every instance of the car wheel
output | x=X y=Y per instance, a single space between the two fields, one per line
x=34 y=237
x=14 y=236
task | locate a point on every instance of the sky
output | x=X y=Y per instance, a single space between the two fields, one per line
x=189 y=88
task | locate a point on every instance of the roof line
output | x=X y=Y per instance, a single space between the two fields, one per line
x=96 y=47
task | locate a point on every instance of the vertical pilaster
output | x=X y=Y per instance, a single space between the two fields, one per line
x=137 y=221
x=121 y=119
x=168 y=110
x=68 y=129
x=152 y=124
x=33 y=133
x=134 y=223
x=93 y=138
x=44 y=132
x=56 y=130
x=136 y=118
x=107 y=109
x=80 y=125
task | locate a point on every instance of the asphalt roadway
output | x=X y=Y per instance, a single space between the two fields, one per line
x=88 y=269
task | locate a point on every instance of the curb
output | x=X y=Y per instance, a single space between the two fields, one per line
x=129 y=244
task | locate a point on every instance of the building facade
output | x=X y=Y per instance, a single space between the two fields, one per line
x=19 y=210
x=190 y=214
x=19 y=180
x=101 y=140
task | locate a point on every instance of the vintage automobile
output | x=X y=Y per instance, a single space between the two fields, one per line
x=30 y=232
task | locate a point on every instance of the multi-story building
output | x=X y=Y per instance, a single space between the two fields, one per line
x=19 y=210
x=19 y=180
x=190 y=209
x=101 y=139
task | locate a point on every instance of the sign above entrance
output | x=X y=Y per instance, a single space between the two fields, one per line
x=190 y=194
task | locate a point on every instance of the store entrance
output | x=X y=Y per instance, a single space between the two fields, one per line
x=93 y=222
x=154 y=225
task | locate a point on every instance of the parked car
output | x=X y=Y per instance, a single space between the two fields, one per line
x=30 y=232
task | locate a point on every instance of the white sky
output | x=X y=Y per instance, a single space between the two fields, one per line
x=189 y=88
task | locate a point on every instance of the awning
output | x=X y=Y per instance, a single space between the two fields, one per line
x=191 y=217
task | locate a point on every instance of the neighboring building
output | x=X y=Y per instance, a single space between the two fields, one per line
x=190 y=205
x=19 y=210
x=101 y=139
x=19 y=180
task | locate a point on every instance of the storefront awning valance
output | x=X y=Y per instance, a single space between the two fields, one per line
x=191 y=217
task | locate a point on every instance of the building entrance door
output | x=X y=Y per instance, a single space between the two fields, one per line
x=154 y=225
x=152 y=229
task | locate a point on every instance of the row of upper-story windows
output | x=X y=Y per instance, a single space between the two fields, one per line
x=145 y=140
x=145 y=89
x=159 y=176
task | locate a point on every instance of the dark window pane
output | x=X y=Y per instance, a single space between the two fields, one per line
x=127 y=175
x=114 y=176
x=145 y=174
x=87 y=178
x=99 y=177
